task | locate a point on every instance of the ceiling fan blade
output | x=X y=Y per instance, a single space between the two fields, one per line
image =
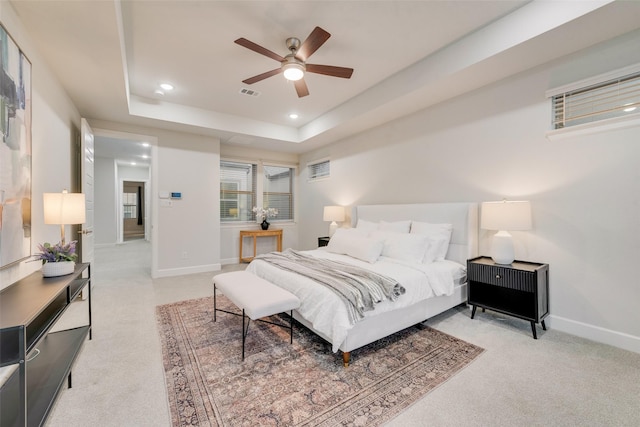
x=301 y=88
x=255 y=79
x=316 y=39
x=329 y=70
x=259 y=49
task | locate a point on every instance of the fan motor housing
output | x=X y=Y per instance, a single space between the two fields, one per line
x=293 y=44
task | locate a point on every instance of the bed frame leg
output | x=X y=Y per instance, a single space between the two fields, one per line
x=346 y=357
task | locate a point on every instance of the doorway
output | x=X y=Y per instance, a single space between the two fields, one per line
x=133 y=210
x=126 y=157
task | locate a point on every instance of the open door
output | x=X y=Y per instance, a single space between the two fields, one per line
x=87 y=187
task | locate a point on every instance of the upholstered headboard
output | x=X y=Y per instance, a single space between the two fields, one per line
x=463 y=217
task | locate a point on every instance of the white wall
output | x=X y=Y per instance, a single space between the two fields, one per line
x=133 y=173
x=490 y=144
x=106 y=213
x=55 y=123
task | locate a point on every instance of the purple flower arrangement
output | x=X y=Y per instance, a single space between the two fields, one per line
x=57 y=252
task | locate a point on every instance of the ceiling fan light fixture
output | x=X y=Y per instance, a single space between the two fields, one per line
x=293 y=71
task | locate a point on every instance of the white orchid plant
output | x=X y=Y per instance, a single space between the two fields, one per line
x=264 y=213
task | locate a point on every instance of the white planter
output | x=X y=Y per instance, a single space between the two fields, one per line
x=53 y=269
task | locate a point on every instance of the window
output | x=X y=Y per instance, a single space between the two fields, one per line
x=130 y=205
x=237 y=191
x=319 y=170
x=609 y=99
x=278 y=191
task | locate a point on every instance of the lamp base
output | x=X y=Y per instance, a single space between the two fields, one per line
x=332 y=228
x=502 y=248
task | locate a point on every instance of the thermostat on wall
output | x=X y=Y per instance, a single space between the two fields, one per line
x=175 y=195
x=163 y=194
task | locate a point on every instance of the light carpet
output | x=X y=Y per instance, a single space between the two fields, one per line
x=299 y=384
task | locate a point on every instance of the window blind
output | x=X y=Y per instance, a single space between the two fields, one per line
x=237 y=191
x=609 y=99
x=278 y=190
x=319 y=170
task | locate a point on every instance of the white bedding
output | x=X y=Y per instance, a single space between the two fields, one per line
x=327 y=313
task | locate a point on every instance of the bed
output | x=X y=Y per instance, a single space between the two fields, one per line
x=323 y=312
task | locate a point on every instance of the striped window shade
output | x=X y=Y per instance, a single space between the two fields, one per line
x=610 y=99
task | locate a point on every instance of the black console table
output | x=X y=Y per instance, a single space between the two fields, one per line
x=34 y=360
x=520 y=289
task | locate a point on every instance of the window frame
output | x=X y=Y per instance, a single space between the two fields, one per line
x=259 y=189
x=292 y=177
x=623 y=120
x=312 y=177
x=253 y=193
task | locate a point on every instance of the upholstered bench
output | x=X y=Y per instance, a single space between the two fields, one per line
x=256 y=297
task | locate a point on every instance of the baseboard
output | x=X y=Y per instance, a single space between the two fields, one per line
x=228 y=261
x=595 y=333
x=171 y=272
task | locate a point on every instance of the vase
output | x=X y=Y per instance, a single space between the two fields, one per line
x=54 y=269
x=264 y=224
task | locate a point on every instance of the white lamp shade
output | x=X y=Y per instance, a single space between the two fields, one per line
x=64 y=208
x=506 y=215
x=333 y=213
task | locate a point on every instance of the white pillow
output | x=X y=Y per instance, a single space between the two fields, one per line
x=439 y=236
x=395 y=227
x=403 y=246
x=366 y=226
x=350 y=241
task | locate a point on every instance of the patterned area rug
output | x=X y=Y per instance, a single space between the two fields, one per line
x=299 y=384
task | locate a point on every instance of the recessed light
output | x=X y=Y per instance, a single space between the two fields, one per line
x=293 y=116
x=159 y=92
x=166 y=86
x=145 y=144
x=629 y=109
x=133 y=163
x=144 y=156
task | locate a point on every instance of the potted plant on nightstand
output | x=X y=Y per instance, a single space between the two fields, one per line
x=57 y=260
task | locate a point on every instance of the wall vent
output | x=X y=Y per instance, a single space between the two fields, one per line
x=249 y=92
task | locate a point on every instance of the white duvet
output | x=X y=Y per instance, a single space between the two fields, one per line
x=328 y=314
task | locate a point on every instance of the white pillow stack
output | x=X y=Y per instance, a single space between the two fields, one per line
x=412 y=241
x=395 y=227
x=402 y=246
x=439 y=236
x=355 y=243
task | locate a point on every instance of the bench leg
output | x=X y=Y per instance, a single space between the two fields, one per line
x=245 y=330
x=214 y=303
x=291 y=327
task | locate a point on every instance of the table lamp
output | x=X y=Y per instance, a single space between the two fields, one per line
x=505 y=216
x=63 y=208
x=333 y=214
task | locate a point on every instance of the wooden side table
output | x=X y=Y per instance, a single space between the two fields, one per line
x=277 y=233
x=520 y=289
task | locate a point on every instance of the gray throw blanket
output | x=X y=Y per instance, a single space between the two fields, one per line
x=359 y=288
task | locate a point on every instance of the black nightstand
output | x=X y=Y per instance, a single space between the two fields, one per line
x=323 y=241
x=520 y=289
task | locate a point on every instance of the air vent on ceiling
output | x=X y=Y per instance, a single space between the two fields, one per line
x=249 y=92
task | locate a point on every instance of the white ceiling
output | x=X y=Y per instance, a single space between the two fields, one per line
x=111 y=55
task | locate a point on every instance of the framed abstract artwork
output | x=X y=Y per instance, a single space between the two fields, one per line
x=15 y=152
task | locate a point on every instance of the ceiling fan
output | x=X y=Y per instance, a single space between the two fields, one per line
x=294 y=65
